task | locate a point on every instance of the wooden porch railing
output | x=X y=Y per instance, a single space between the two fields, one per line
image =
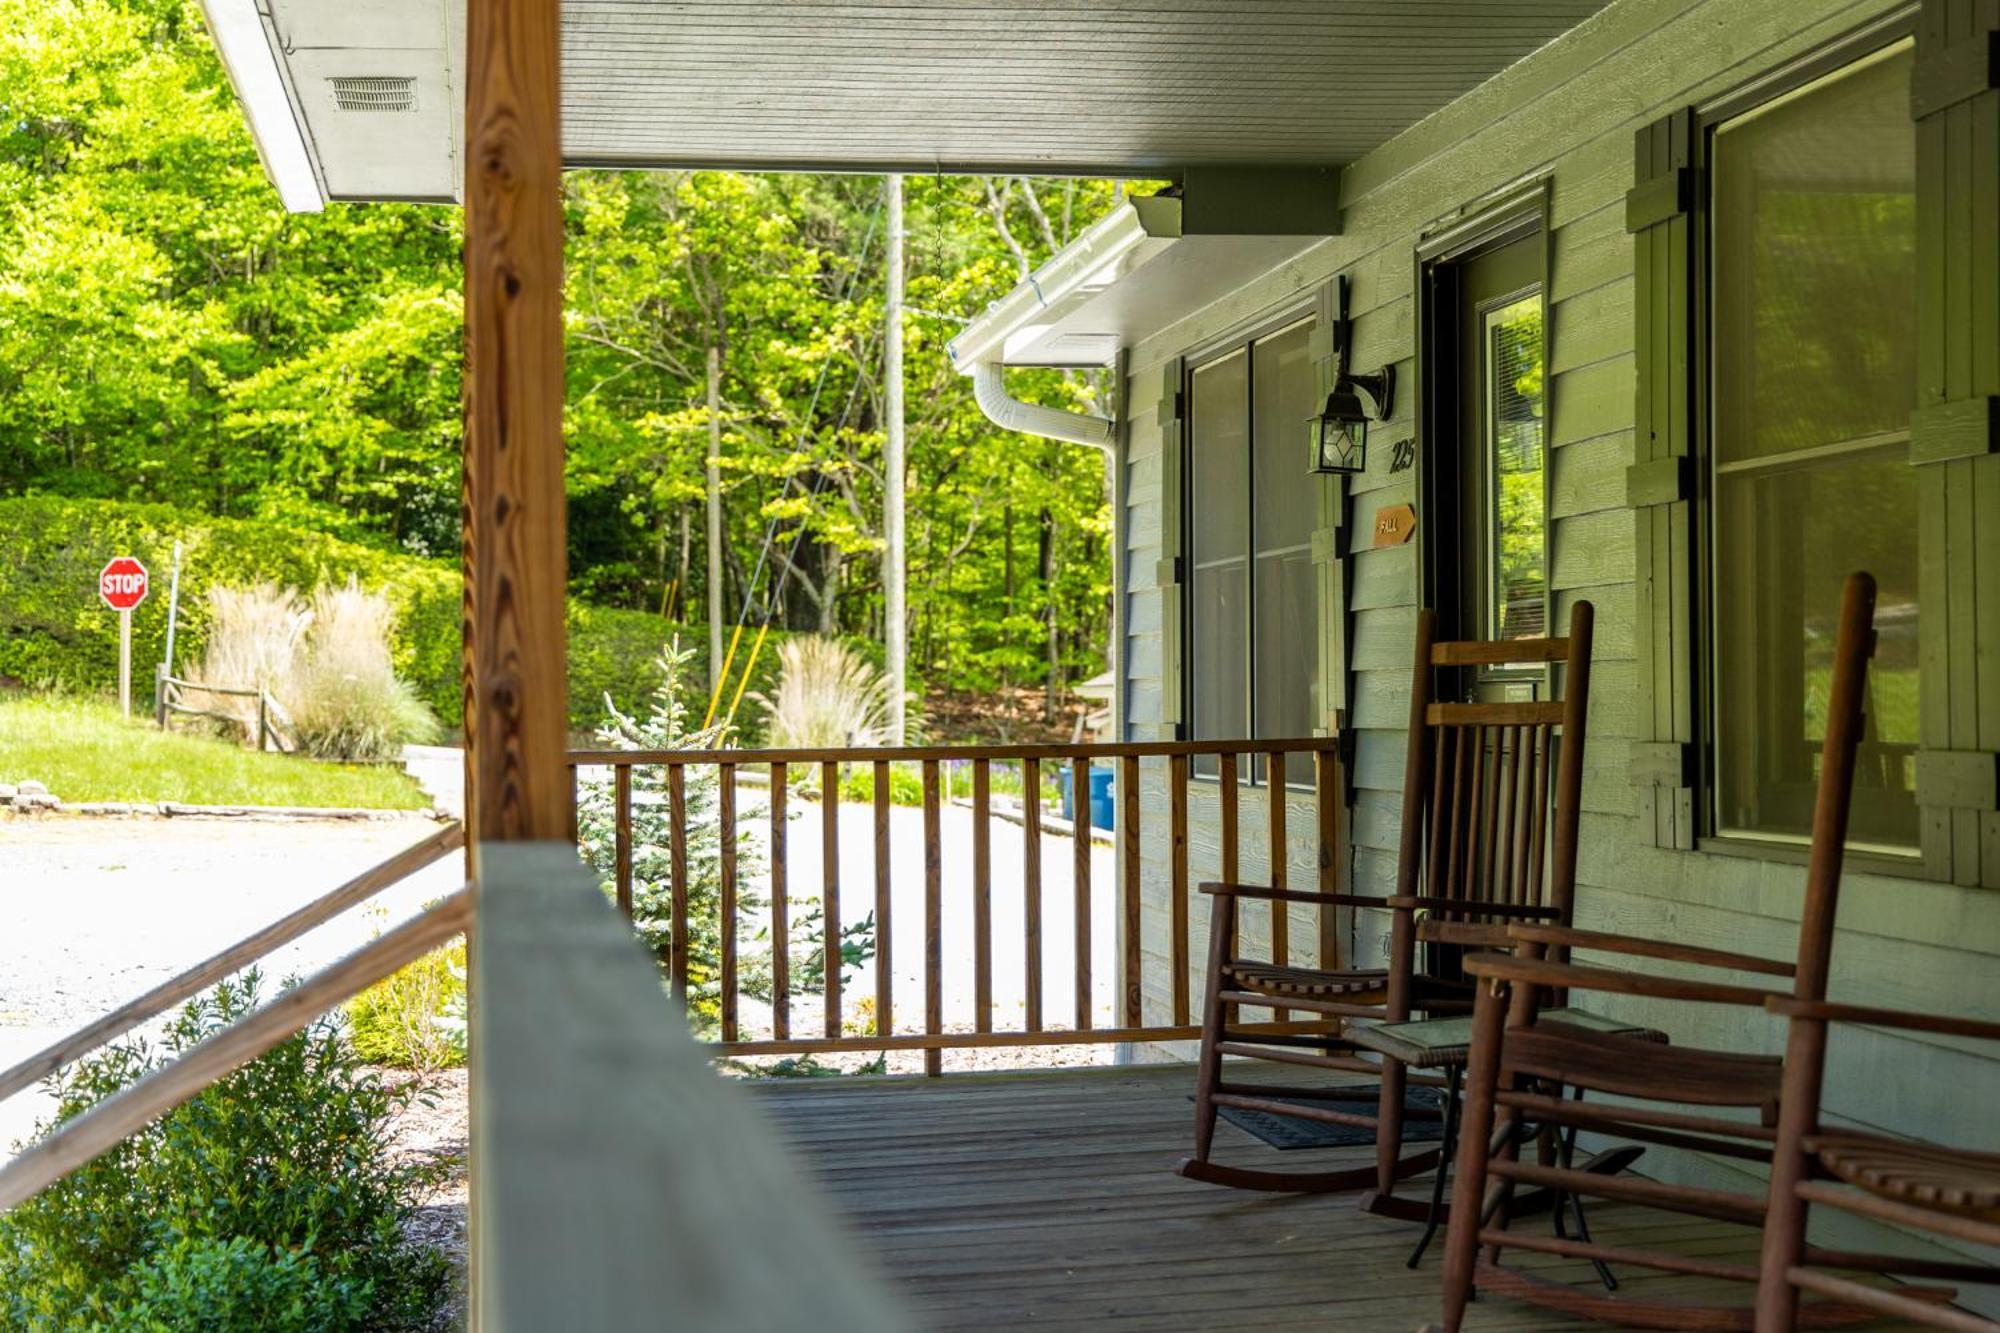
x=125 y=1112
x=897 y=1030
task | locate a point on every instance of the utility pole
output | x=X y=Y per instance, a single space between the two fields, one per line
x=714 y=518
x=894 y=626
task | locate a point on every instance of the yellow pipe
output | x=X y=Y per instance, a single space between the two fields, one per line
x=756 y=646
x=722 y=677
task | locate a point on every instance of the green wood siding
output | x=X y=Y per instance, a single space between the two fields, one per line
x=1571 y=115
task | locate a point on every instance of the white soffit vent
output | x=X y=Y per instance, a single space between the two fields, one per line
x=354 y=93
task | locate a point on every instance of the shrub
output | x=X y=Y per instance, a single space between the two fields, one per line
x=253 y=643
x=827 y=697
x=342 y=695
x=667 y=727
x=287 y=1156
x=239 y=1286
x=54 y=631
x=416 y=1018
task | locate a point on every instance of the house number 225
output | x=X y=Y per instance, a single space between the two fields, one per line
x=1403 y=456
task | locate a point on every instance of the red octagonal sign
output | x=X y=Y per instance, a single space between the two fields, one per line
x=122 y=585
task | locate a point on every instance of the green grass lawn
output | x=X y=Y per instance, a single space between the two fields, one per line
x=82 y=750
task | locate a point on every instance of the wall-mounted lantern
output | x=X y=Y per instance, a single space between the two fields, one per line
x=1340 y=431
x=1338 y=435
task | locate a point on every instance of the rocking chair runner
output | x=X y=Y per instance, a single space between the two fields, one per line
x=1519 y=1067
x=1480 y=783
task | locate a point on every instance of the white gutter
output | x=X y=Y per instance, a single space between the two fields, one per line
x=249 y=53
x=1112 y=248
x=1004 y=410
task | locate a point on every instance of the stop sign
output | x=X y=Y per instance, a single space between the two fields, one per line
x=122 y=585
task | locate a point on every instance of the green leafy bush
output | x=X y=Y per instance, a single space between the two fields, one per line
x=54 y=631
x=239 y=1286
x=288 y=1156
x=414 y=1019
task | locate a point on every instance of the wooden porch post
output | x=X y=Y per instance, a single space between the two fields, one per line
x=516 y=690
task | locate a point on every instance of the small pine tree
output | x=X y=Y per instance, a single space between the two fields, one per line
x=666 y=726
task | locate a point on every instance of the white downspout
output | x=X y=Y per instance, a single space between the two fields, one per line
x=989 y=389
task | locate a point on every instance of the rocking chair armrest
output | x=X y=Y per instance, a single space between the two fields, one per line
x=1575 y=976
x=1787 y=1007
x=1639 y=946
x=1260 y=891
x=1463 y=907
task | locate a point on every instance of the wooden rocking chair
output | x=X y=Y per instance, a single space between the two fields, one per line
x=1919 y=1186
x=1519 y=1068
x=1483 y=779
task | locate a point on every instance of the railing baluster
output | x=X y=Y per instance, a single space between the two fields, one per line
x=726 y=821
x=1031 y=867
x=621 y=824
x=1232 y=862
x=1281 y=913
x=1080 y=835
x=1128 y=834
x=1177 y=772
x=574 y=778
x=1326 y=814
x=982 y=896
x=781 y=913
x=885 y=975
x=933 y=919
x=829 y=860
x=677 y=805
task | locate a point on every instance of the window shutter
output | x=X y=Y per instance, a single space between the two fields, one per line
x=1659 y=487
x=1171 y=570
x=1955 y=437
x=1331 y=706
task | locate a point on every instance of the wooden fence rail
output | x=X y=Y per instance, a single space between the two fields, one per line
x=968 y=888
x=131 y=1109
x=170 y=699
x=237 y=956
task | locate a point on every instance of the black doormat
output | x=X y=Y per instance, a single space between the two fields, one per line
x=1286 y=1132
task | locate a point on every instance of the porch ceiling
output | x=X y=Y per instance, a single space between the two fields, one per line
x=1116 y=87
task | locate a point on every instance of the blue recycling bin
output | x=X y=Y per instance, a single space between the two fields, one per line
x=1100 y=798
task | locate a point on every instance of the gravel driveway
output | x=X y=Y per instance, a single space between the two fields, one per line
x=94 y=911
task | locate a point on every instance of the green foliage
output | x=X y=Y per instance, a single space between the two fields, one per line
x=84 y=751
x=239 y=1286
x=414 y=1019
x=668 y=726
x=199 y=1211
x=169 y=335
x=53 y=630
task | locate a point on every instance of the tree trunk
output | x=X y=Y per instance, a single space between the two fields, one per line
x=895 y=620
x=1052 y=685
x=829 y=601
x=714 y=498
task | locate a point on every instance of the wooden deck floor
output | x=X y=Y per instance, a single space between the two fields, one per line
x=1049 y=1200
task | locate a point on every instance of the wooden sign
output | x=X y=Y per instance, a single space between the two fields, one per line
x=1394 y=525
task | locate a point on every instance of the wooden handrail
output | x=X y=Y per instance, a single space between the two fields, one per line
x=131 y=1109
x=1046 y=922
x=941 y=753
x=238 y=955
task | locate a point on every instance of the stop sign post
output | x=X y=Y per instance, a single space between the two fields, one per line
x=122 y=585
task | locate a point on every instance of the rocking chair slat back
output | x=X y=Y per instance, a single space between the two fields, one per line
x=1481 y=787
